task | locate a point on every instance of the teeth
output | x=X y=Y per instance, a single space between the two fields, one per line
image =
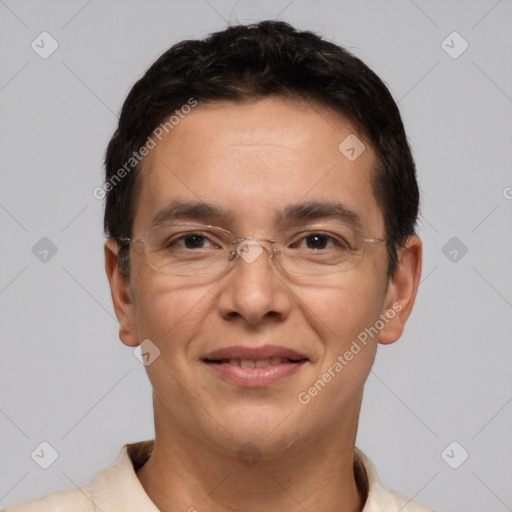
x=260 y=363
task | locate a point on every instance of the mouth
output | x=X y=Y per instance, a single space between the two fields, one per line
x=249 y=367
x=255 y=363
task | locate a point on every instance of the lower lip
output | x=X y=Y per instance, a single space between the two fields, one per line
x=255 y=377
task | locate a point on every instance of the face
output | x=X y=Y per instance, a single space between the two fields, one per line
x=253 y=163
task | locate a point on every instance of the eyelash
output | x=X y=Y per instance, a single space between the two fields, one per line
x=330 y=238
x=181 y=238
x=176 y=239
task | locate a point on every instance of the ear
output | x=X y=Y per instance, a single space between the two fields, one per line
x=121 y=296
x=401 y=292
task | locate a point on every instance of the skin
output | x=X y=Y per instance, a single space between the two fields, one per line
x=254 y=158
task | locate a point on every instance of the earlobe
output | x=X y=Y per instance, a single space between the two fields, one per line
x=121 y=296
x=401 y=292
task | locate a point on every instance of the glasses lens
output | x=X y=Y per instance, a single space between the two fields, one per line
x=321 y=249
x=195 y=250
x=187 y=250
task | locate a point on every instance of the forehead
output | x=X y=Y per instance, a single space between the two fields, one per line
x=256 y=159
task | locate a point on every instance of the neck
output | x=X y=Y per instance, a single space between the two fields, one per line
x=185 y=474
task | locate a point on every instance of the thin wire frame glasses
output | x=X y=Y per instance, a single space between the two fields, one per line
x=195 y=250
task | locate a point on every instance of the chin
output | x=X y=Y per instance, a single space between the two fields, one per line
x=271 y=430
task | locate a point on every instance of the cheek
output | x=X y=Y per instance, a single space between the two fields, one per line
x=340 y=307
x=169 y=311
x=342 y=317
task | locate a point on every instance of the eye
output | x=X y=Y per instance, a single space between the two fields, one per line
x=319 y=241
x=190 y=241
x=194 y=241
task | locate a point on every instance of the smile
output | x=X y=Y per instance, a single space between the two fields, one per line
x=247 y=367
x=259 y=363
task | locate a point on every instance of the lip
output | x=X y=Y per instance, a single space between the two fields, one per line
x=254 y=353
x=218 y=361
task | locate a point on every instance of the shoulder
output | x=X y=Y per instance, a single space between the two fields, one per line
x=378 y=497
x=114 y=488
x=392 y=501
x=76 y=500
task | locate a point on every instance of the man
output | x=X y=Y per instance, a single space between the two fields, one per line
x=261 y=202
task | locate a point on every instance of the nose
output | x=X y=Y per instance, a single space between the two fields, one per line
x=253 y=290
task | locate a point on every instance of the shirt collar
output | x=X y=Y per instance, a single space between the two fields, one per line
x=118 y=489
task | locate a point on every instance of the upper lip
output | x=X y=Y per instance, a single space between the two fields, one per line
x=254 y=353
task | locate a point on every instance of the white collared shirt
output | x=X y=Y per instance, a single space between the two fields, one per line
x=118 y=489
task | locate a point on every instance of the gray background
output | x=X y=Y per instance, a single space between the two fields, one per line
x=67 y=380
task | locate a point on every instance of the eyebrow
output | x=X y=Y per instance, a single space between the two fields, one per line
x=206 y=212
x=189 y=210
x=314 y=210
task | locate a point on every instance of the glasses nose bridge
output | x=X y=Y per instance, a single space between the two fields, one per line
x=249 y=248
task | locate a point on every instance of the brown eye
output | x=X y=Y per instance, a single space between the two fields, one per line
x=189 y=241
x=193 y=241
x=317 y=241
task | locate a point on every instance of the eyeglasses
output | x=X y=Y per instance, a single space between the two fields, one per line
x=196 y=250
